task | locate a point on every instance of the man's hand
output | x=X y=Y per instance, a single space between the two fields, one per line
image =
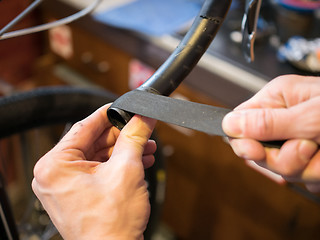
x=92 y=182
x=288 y=108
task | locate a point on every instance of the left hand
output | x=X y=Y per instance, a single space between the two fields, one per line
x=92 y=182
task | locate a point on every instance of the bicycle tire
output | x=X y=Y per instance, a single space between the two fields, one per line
x=49 y=105
x=45 y=106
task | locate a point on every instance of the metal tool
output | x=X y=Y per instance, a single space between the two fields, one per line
x=249 y=28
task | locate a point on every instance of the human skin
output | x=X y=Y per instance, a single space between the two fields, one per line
x=287 y=108
x=92 y=182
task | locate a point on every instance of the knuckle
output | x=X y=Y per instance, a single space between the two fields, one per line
x=136 y=139
x=37 y=170
x=34 y=186
x=42 y=172
x=288 y=171
x=284 y=165
x=286 y=80
x=312 y=171
x=264 y=122
x=78 y=125
x=312 y=128
x=285 y=170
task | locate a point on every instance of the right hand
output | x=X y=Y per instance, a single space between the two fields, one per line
x=287 y=108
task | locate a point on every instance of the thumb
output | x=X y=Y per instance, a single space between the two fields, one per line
x=270 y=123
x=133 y=138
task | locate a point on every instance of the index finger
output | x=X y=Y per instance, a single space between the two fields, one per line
x=133 y=138
x=87 y=131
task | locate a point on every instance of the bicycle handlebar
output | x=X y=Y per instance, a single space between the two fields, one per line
x=183 y=59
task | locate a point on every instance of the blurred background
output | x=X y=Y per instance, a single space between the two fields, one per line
x=203 y=190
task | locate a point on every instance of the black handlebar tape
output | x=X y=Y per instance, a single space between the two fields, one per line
x=195 y=43
x=183 y=59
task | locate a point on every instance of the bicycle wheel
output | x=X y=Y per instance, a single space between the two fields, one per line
x=48 y=105
x=59 y=105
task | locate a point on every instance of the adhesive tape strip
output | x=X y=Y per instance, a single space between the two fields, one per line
x=200 y=117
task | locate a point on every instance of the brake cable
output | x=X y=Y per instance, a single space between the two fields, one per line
x=5 y=35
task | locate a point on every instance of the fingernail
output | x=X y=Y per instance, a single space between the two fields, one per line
x=307 y=149
x=313 y=187
x=231 y=124
x=238 y=149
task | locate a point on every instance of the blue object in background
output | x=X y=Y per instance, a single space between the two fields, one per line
x=152 y=17
x=302 y=6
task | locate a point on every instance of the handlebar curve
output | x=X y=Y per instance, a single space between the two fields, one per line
x=183 y=59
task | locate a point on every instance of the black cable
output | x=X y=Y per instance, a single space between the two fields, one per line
x=56 y=23
x=20 y=16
